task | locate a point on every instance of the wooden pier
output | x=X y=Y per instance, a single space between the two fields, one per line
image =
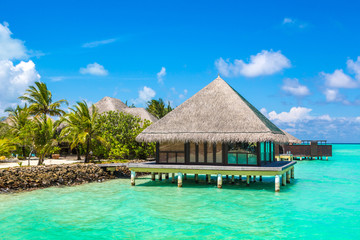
x=280 y=169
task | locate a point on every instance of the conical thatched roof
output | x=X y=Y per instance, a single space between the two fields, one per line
x=107 y=104
x=291 y=138
x=141 y=113
x=217 y=113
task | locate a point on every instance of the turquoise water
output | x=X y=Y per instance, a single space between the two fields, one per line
x=322 y=203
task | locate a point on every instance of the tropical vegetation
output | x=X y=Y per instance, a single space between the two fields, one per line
x=30 y=129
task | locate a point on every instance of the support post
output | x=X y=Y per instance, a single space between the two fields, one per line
x=288 y=177
x=300 y=158
x=283 y=180
x=180 y=179
x=209 y=178
x=196 y=178
x=240 y=178
x=153 y=176
x=166 y=176
x=173 y=177
x=247 y=180
x=160 y=176
x=292 y=173
x=327 y=158
x=227 y=177
x=254 y=178
x=185 y=176
x=260 y=178
x=277 y=183
x=133 y=174
x=219 y=181
x=232 y=179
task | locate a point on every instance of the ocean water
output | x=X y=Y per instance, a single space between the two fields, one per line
x=323 y=202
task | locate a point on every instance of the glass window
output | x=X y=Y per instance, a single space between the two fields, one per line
x=163 y=158
x=252 y=159
x=180 y=157
x=210 y=153
x=272 y=151
x=192 y=152
x=176 y=147
x=242 y=158
x=201 y=153
x=171 y=157
x=232 y=158
x=218 y=153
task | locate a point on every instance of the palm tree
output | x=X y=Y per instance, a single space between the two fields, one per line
x=81 y=128
x=158 y=108
x=20 y=126
x=41 y=101
x=45 y=137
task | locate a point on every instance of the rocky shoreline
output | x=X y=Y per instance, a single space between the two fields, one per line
x=18 y=179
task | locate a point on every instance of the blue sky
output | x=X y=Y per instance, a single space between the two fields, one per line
x=297 y=61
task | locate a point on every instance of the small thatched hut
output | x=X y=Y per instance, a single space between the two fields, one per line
x=216 y=126
x=107 y=104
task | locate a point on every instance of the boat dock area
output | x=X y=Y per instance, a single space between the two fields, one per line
x=280 y=169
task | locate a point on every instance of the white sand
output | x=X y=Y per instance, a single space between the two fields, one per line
x=34 y=162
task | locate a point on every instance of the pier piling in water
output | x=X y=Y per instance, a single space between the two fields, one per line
x=153 y=176
x=196 y=178
x=277 y=183
x=247 y=180
x=180 y=179
x=283 y=179
x=133 y=178
x=160 y=176
x=292 y=173
x=232 y=179
x=287 y=177
x=219 y=181
x=173 y=177
x=166 y=176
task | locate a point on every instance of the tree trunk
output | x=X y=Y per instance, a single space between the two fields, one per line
x=41 y=159
x=78 y=153
x=87 y=160
x=24 y=152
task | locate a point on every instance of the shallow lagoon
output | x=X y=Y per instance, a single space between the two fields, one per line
x=323 y=202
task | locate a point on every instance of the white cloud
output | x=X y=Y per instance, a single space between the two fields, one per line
x=261 y=64
x=161 y=75
x=288 y=20
x=293 y=87
x=354 y=67
x=145 y=95
x=94 y=69
x=183 y=95
x=357 y=119
x=10 y=48
x=332 y=95
x=98 y=43
x=295 y=114
x=339 y=79
x=14 y=80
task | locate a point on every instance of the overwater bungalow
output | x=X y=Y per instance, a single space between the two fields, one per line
x=215 y=132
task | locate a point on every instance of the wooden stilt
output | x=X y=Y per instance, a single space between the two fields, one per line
x=327 y=158
x=209 y=178
x=260 y=178
x=248 y=180
x=219 y=181
x=288 y=177
x=283 y=180
x=300 y=158
x=153 y=176
x=232 y=179
x=292 y=173
x=227 y=177
x=180 y=179
x=173 y=177
x=277 y=183
x=206 y=177
x=166 y=176
x=185 y=176
x=196 y=178
x=160 y=176
x=133 y=174
x=254 y=178
x=240 y=178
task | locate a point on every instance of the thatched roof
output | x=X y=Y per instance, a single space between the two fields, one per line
x=217 y=113
x=291 y=138
x=107 y=104
x=141 y=113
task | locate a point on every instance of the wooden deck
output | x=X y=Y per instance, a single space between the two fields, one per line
x=271 y=169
